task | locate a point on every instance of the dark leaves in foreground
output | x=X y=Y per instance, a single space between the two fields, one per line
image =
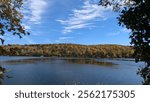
x=135 y=15
x=10 y=18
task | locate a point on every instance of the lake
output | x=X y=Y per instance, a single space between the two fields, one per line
x=69 y=71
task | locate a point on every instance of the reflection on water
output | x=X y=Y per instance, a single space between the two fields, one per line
x=90 y=61
x=69 y=60
x=62 y=71
x=26 y=61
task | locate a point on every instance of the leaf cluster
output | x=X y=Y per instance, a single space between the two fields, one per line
x=10 y=18
x=135 y=15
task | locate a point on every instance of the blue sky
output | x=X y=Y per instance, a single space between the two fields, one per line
x=69 y=21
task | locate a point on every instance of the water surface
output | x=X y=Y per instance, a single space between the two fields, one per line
x=64 y=71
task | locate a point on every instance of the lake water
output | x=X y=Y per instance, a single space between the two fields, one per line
x=66 y=71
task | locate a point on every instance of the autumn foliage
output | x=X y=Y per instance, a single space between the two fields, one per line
x=68 y=50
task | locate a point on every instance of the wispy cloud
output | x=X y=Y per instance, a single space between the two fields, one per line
x=63 y=39
x=33 y=10
x=83 y=17
x=37 y=8
x=27 y=27
x=125 y=30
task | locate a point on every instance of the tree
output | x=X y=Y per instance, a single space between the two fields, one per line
x=135 y=15
x=10 y=18
x=10 y=21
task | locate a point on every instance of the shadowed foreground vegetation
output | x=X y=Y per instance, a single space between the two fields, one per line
x=68 y=50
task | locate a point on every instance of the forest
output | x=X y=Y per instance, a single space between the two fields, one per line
x=68 y=50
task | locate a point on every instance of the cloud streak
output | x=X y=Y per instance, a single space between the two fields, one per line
x=63 y=39
x=37 y=9
x=33 y=10
x=83 y=17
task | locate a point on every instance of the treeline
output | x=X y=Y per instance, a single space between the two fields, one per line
x=68 y=50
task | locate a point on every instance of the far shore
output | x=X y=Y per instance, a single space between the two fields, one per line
x=68 y=50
